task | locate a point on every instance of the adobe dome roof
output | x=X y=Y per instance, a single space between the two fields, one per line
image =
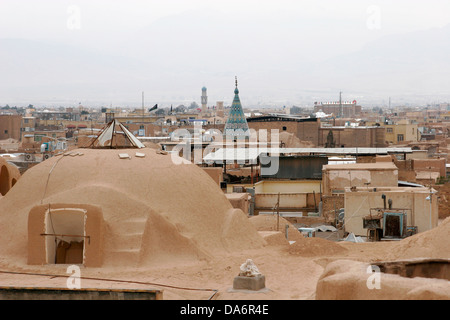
x=180 y=201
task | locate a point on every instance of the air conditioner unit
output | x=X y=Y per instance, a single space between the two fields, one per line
x=30 y=157
x=394 y=224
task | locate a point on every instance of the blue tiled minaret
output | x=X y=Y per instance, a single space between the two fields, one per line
x=236 y=123
x=204 y=102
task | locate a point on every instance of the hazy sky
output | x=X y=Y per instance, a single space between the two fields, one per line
x=259 y=32
x=48 y=18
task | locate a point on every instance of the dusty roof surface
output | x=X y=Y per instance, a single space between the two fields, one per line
x=196 y=211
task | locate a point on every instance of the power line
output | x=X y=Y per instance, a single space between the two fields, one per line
x=215 y=291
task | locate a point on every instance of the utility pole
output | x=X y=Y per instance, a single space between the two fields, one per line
x=430 y=196
x=143 y=108
x=278 y=212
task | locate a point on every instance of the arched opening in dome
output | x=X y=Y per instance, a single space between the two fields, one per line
x=4 y=180
x=64 y=236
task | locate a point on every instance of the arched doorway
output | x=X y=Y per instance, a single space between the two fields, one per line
x=4 y=180
x=65 y=234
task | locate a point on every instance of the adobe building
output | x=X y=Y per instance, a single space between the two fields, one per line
x=305 y=129
x=335 y=178
x=10 y=126
x=295 y=197
x=34 y=139
x=417 y=154
x=366 y=186
x=352 y=137
x=220 y=109
x=427 y=178
x=430 y=165
x=311 y=130
x=432 y=147
x=424 y=171
x=401 y=132
x=28 y=124
x=339 y=109
x=420 y=212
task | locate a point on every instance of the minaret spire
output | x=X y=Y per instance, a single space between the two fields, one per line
x=236 y=122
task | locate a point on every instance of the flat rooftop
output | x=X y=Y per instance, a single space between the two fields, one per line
x=235 y=154
x=362 y=166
